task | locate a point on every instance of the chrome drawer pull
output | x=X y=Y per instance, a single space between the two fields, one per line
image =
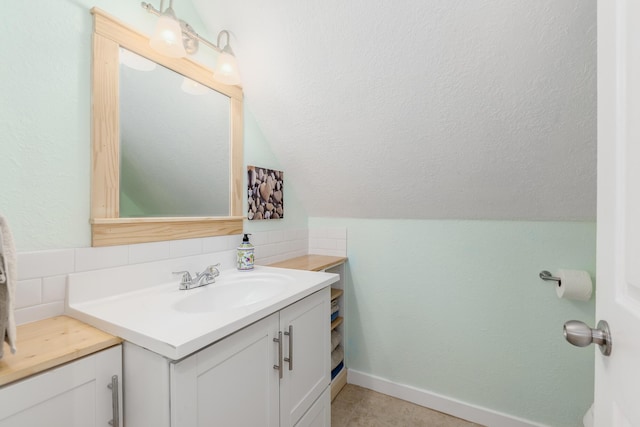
x=290 y=358
x=279 y=365
x=115 y=404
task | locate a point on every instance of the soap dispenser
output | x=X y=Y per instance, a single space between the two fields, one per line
x=245 y=254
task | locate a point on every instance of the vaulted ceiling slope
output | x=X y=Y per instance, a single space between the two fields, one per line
x=436 y=109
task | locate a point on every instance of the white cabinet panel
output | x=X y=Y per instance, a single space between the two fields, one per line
x=309 y=375
x=73 y=395
x=231 y=383
x=319 y=415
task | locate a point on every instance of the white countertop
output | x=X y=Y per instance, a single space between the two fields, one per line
x=148 y=315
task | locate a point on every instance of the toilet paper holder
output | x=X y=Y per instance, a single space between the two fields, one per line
x=545 y=275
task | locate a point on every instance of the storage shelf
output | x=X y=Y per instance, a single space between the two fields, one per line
x=336 y=322
x=336 y=293
x=338 y=382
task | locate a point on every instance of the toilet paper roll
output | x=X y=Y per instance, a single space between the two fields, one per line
x=574 y=284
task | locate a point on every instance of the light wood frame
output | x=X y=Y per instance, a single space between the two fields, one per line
x=107 y=228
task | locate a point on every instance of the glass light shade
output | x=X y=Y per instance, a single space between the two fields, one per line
x=226 y=70
x=135 y=61
x=192 y=87
x=167 y=38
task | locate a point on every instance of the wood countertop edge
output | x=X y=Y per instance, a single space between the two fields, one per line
x=311 y=262
x=49 y=343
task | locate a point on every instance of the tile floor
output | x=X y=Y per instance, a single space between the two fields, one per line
x=356 y=406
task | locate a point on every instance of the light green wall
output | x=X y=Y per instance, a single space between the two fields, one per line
x=45 y=118
x=258 y=153
x=457 y=308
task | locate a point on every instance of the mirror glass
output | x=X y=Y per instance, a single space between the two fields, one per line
x=174 y=143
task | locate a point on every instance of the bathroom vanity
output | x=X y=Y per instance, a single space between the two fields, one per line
x=251 y=349
x=257 y=376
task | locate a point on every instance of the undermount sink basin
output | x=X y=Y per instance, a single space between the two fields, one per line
x=238 y=290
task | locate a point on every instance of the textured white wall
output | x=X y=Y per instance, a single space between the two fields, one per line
x=424 y=109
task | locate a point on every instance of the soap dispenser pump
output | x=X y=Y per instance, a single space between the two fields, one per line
x=245 y=257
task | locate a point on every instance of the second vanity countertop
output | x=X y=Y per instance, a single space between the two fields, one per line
x=176 y=323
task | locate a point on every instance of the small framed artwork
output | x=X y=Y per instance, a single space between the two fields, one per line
x=266 y=193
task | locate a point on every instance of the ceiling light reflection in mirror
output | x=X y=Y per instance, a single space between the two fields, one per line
x=174 y=143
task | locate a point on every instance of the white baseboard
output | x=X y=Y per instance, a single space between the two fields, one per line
x=473 y=413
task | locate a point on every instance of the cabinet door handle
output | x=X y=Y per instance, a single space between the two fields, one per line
x=279 y=365
x=115 y=402
x=290 y=358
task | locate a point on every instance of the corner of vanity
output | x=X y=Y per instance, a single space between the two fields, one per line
x=332 y=264
x=65 y=370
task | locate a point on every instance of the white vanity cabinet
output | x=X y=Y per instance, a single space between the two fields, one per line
x=231 y=383
x=274 y=372
x=77 y=394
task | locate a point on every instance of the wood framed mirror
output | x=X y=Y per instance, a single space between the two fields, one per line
x=110 y=36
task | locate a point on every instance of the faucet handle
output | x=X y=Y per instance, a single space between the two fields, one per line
x=186 y=276
x=213 y=270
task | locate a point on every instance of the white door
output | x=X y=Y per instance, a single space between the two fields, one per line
x=617 y=380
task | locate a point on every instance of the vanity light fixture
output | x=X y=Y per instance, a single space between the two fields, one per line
x=176 y=38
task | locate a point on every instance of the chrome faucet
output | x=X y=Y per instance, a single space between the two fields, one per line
x=207 y=277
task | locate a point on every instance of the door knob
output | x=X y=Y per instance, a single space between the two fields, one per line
x=581 y=335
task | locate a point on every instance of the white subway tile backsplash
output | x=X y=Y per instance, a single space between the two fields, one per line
x=328 y=241
x=186 y=247
x=336 y=233
x=233 y=241
x=54 y=288
x=268 y=250
x=290 y=235
x=330 y=252
x=98 y=258
x=276 y=236
x=213 y=244
x=46 y=263
x=43 y=275
x=38 y=312
x=317 y=233
x=147 y=252
x=28 y=293
x=259 y=238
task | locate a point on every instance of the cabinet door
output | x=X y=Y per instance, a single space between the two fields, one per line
x=319 y=415
x=73 y=395
x=230 y=383
x=307 y=375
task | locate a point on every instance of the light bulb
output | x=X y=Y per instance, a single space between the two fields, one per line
x=167 y=38
x=226 y=70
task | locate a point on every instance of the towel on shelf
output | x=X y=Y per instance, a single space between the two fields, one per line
x=335 y=308
x=335 y=371
x=8 y=279
x=337 y=356
x=335 y=339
